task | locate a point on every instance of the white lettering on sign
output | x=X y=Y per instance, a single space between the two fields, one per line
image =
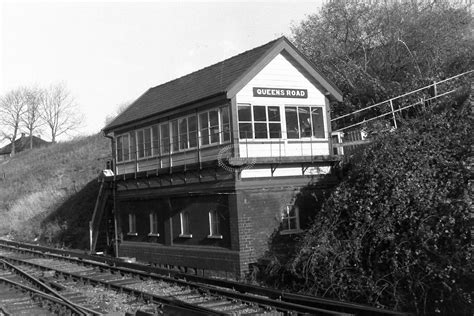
x=280 y=92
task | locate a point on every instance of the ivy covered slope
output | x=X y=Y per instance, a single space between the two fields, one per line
x=396 y=232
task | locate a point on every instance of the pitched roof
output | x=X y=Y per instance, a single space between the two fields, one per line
x=23 y=143
x=211 y=81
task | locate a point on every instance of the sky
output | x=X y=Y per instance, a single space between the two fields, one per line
x=109 y=53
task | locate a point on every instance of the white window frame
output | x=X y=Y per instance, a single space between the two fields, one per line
x=185 y=234
x=214 y=220
x=143 y=155
x=267 y=122
x=285 y=216
x=311 y=107
x=118 y=139
x=153 y=224
x=132 y=224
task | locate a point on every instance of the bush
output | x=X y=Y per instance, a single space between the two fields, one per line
x=396 y=231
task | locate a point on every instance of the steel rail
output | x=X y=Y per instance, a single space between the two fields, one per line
x=146 y=271
x=80 y=310
x=157 y=299
x=42 y=295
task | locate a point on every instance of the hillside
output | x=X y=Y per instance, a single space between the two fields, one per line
x=50 y=192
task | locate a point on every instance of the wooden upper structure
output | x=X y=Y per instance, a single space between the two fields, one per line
x=266 y=102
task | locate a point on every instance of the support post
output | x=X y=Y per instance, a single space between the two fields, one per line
x=393 y=114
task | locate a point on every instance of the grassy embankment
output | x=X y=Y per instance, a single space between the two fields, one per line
x=49 y=193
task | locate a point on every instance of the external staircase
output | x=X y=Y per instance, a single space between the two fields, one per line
x=99 y=230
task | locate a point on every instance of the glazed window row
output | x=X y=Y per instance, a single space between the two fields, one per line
x=213 y=127
x=267 y=122
x=188 y=132
x=185 y=224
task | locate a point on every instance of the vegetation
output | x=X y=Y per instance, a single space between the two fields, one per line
x=396 y=232
x=32 y=109
x=50 y=191
x=373 y=50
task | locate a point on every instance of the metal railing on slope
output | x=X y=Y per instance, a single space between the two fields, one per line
x=395 y=108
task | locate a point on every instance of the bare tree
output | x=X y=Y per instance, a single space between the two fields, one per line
x=59 y=111
x=32 y=116
x=12 y=108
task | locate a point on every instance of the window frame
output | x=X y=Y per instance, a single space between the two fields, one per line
x=142 y=151
x=132 y=224
x=286 y=218
x=311 y=120
x=185 y=225
x=214 y=220
x=118 y=139
x=153 y=217
x=267 y=122
x=220 y=138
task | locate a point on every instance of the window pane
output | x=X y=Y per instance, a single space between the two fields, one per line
x=183 y=133
x=119 y=149
x=165 y=138
x=274 y=114
x=214 y=126
x=318 y=122
x=156 y=140
x=260 y=130
x=174 y=136
x=133 y=146
x=291 y=122
x=147 y=142
x=225 y=115
x=225 y=124
x=275 y=130
x=214 y=223
x=259 y=113
x=305 y=123
x=185 y=223
x=126 y=148
x=244 y=113
x=140 y=144
x=204 y=128
x=132 y=226
x=192 y=126
x=245 y=130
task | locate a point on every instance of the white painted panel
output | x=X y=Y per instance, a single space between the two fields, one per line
x=256 y=173
x=280 y=73
x=285 y=172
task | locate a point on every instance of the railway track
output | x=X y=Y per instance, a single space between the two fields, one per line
x=159 y=287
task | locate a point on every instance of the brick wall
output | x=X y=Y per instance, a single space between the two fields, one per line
x=259 y=216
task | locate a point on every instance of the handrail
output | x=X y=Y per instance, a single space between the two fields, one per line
x=393 y=111
x=403 y=95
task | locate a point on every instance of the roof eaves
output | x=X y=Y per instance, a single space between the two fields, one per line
x=109 y=128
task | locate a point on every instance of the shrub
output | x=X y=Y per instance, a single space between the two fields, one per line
x=396 y=231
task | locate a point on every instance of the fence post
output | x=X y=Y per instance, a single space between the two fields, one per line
x=393 y=114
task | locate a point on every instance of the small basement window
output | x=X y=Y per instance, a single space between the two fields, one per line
x=185 y=231
x=132 y=225
x=153 y=225
x=290 y=220
x=214 y=223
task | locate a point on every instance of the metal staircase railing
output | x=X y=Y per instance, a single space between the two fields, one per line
x=94 y=224
x=395 y=108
